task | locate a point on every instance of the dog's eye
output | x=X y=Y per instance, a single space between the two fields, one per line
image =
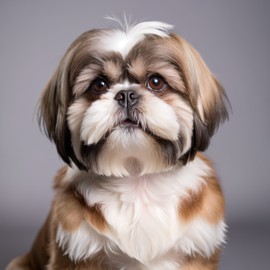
x=156 y=83
x=100 y=85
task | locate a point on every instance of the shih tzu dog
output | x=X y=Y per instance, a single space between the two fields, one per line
x=129 y=110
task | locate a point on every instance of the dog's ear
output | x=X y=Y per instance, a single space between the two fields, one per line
x=205 y=94
x=54 y=102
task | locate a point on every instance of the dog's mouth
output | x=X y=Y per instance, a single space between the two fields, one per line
x=129 y=123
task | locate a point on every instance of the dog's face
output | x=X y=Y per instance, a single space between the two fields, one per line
x=131 y=102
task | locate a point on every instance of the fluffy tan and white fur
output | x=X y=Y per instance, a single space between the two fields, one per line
x=129 y=110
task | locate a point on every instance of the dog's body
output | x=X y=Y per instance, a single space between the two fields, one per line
x=172 y=220
x=137 y=195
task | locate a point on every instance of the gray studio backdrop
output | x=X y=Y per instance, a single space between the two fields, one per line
x=233 y=38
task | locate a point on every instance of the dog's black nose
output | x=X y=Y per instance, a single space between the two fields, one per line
x=127 y=98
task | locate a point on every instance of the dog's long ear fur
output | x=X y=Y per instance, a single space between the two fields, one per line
x=205 y=93
x=53 y=106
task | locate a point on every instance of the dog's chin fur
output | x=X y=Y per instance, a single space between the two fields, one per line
x=137 y=194
x=128 y=152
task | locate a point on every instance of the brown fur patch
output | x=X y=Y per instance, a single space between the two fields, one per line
x=137 y=68
x=94 y=215
x=207 y=203
x=71 y=210
x=59 y=177
x=60 y=261
x=191 y=206
x=21 y=263
x=201 y=263
x=113 y=70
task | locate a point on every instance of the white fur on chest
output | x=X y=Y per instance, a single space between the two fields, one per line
x=143 y=218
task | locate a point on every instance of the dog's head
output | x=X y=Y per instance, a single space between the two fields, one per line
x=138 y=100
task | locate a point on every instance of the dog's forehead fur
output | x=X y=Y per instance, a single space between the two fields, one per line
x=123 y=40
x=151 y=55
x=120 y=41
x=117 y=40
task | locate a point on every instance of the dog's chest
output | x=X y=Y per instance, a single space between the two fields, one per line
x=144 y=221
x=142 y=213
x=142 y=217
